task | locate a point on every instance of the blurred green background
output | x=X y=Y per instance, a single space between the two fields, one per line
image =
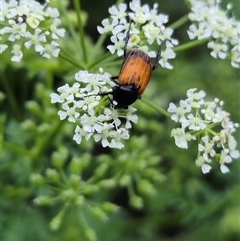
x=187 y=205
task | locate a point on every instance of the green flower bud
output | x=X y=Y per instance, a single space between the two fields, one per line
x=125 y=180
x=109 y=207
x=59 y=157
x=136 y=201
x=99 y=213
x=43 y=201
x=90 y=234
x=89 y=189
x=52 y=175
x=36 y=179
x=145 y=187
x=100 y=170
x=74 y=181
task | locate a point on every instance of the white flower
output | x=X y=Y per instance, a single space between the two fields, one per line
x=17 y=53
x=22 y=21
x=130 y=117
x=194 y=123
x=117 y=136
x=219 y=50
x=235 y=59
x=232 y=145
x=211 y=22
x=165 y=56
x=92 y=123
x=151 y=32
x=195 y=99
x=50 y=49
x=119 y=42
x=201 y=162
x=80 y=133
x=36 y=39
x=207 y=148
x=179 y=112
x=69 y=111
x=67 y=94
x=52 y=12
x=224 y=158
x=84 y=104
x=180 y=137
x=3 y=47
x=119 y=13
x=55 y=31
x=104 y=134
x=144 y=22
x=107 y=26
x=201 y=120
x=16 y=31
x=202 y=31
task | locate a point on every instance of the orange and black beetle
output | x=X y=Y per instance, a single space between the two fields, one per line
x=134 y=76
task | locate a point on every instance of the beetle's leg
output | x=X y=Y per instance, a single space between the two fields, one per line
x=113 y=79
x=157 y=60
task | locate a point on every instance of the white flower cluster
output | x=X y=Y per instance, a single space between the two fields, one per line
x=210 y=22
x=199 y=118
x=82 y=104
x=147 y=28
x=22 y=24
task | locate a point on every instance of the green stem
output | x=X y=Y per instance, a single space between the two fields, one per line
x=156 y=108
x=63 y=176
x=69 y=24
x=108 y=56
x=179 y=22
x=43 y=142
x=81 y=32
x=10 y=96
x=97 y=46
x=16 y=149
x=70 y=60
x=118 y=2
x=190 y=44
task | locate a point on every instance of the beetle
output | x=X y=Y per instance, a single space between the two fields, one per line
x=133 y=77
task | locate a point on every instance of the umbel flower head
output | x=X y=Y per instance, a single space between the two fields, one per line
x=23 y=23
x=201 y=120
x=212 y=23
x=147 y=29
x=82 y=104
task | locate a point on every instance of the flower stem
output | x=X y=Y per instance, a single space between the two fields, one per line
x=69 y=24
x=16 y=149
x=108 y=56
x=97 y=46
x=190 y=44
x=70 y=60
x=11 y=98
x=43 y=142
x=156 y=108
x=179 y=22
x=81 y=32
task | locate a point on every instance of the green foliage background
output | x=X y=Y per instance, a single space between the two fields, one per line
x=180 y=203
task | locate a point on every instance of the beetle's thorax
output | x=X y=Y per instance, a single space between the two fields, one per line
x=124 y=95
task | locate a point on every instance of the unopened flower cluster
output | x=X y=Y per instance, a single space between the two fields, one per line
x=147 y=29
x=93 y=114
x=23 y=24
x=200 y=120
x=210 y=22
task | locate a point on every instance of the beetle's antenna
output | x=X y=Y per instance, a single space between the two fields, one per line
x=157 y=59
x=127 y=38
